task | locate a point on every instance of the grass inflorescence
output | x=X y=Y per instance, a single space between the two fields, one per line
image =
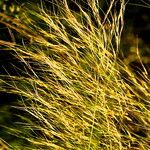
x=75 y=91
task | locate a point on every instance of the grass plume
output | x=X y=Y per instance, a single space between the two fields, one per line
x=77 y=93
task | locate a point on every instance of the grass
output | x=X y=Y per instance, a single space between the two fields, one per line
x=75 y=91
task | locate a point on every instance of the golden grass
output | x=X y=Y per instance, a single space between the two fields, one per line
x=78 y=94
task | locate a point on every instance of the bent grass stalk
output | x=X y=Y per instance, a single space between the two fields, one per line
x=78 y=94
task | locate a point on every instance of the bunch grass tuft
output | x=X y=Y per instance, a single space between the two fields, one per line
x=75 y=91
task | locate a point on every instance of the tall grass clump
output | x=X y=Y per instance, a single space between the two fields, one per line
x=74 y=91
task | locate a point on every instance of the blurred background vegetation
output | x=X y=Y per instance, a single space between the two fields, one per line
x=135 y=35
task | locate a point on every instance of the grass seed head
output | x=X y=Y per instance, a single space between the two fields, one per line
x=72 y=86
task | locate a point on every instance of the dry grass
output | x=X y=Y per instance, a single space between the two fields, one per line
x=78 y=94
